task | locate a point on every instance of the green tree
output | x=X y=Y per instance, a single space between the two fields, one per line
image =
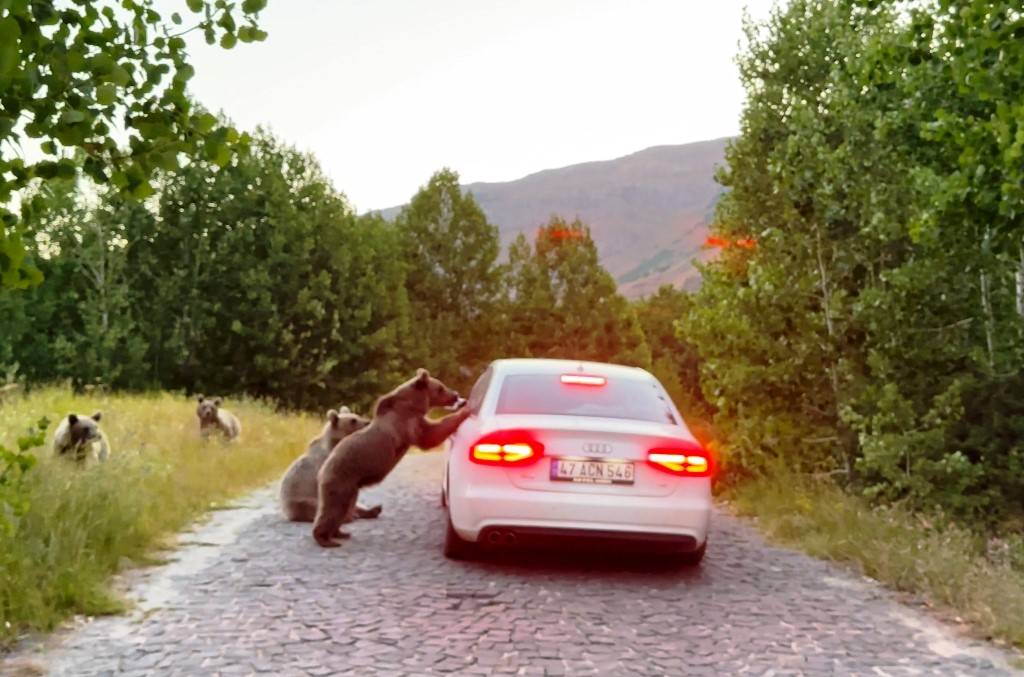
x=257 y=277
x=674 y=361
x=561 y=303
x=79 y=326
x=880 y=302
x=74 y=76
x=451 y=253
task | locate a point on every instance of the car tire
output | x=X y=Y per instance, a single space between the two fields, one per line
x=692 y=558
x=455 y=547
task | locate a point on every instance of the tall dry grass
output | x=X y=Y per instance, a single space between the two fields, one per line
x=83 y=523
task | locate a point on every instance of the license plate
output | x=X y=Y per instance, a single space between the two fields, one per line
x=592 y=472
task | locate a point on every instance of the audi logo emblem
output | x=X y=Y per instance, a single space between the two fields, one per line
x=597 y=448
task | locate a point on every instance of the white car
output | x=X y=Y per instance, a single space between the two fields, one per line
x=559 y=450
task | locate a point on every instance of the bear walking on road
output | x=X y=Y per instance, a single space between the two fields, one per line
x=214 y=419
x=298 y=488
x=367 y=456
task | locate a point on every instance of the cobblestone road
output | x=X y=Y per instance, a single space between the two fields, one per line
x=252 y=593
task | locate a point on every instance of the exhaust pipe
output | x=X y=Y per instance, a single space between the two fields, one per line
x=494 y=537
x=510 y=538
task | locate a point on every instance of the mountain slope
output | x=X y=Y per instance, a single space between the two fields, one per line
x=648 y=211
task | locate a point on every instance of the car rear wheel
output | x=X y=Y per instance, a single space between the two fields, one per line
x=455 y=547
x=692 y=558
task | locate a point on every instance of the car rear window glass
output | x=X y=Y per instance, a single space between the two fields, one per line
x=635 y=399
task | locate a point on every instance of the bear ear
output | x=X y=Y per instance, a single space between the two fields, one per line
x=422 y=378
x=217 y=401
x=344 y=410
x=97 y=416
x=72 y=419
x=332 y=416
x=383 y=404
x=200 y=398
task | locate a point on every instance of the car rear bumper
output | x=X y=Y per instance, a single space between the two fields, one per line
x=551 y=537
x=678 y=521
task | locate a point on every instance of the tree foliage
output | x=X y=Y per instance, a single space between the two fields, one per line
x=561 y=303
x=451 y=252
x=674 y=360
x=879 y=170
x=253 y=277
x=99 y=88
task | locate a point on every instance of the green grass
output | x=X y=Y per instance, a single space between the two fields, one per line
x=944 y=563
x=83 y=524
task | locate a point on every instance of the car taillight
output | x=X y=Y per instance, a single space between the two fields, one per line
x=506 y=448
x=583 y=380
x=684 y=460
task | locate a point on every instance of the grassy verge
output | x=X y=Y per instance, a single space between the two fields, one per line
x=944 y=563
x=84 y=523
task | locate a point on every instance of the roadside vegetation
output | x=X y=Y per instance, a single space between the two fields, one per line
x=966 y=574
x=865 y=321
x=75 y=526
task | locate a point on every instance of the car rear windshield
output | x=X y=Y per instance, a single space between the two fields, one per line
x=635 y=399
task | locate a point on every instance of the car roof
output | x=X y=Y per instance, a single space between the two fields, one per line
x=549 y=366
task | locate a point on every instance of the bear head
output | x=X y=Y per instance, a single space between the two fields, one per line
x=418 y=395
x=341 y=424
x=84 y=429
x=207 y=409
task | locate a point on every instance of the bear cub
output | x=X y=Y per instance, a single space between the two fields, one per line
x=367 y=456
x=215 y=420
x=298 y=488
x=80 y=438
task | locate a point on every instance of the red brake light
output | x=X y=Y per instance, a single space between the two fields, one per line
x=583 y=380
x=689 y=460
x=506 y=448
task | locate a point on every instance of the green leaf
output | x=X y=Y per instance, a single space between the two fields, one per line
x=10 y=31
x=119 y=76
x=228 y=40
x=142 y=190
x=223 y=156
x=253 y=6
x=185 y=73
x=66 y=169
x=195 y=5
x=176 y=19
x=106 y=94
x=204 y=122
x=70 y=117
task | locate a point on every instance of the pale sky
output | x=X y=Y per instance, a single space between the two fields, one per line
x=385 y=92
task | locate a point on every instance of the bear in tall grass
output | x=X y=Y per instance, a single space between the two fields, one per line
x=214 y=419
x=367 y=456
x=80 y=438
x=298 y=488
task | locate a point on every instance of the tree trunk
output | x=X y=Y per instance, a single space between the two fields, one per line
x=1020 y=283
x=986 y=305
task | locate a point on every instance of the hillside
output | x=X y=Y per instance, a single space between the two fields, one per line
x=648 y=211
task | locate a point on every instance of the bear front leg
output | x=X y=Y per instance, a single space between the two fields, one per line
x=433 y=433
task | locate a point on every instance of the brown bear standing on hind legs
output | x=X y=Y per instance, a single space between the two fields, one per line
x=298 y=488
x=367 y=456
